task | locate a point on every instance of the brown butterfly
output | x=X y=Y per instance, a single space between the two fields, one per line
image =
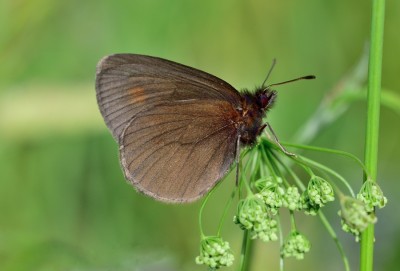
x=179 y=129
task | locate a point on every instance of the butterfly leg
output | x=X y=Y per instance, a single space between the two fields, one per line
x=276 y=139
x=237 y=159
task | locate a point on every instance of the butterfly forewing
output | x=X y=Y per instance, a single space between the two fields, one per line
x=175 y=124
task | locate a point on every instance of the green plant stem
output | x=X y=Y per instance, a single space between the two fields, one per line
x=372 y=127
x=201 y=212
x=202 y=208
x=343 y=153
x=245 y=253
x=275 y=168
x=292 y=222
x=302 y=159
x=291 y=172
x=268 y=162
x=281 y=259
x=254 y=167
x=227 y=205
x=248 y=188
x=333 y=235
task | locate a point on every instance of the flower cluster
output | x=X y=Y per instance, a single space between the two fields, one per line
x=307 y=205
x=355 y=217
x=215 y=253
x=372 y=196
x=271 y=193
x=295 y=245
x=291 y=198
x=318 y=193
x=252 y=215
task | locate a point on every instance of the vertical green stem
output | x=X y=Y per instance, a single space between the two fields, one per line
x=372 y=129
x=245 y=253
x=281 y=259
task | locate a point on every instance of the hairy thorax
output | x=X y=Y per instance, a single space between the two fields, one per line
x=250 y=121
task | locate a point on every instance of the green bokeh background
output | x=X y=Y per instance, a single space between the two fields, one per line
x=64 y=204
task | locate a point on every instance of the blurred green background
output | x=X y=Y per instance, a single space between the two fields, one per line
x=64 y=204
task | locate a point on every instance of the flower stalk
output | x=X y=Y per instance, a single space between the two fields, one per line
x=373 y=111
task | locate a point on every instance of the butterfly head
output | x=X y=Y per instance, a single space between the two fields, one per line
x=265 y=98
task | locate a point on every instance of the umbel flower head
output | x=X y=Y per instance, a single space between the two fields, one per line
x=307 y=205
x=355 y=217
x=371 y=195
x=252 y=215
x=291 y=198
x=296 y=245
x=318 y=193
x=215 y=253
x=271 y=193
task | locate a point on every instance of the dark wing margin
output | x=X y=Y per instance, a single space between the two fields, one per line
x=177 y=152
x=128 y=85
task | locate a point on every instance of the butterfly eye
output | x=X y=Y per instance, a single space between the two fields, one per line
x=263 y=100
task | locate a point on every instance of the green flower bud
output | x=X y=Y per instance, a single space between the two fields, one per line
x=214 y=252
x=355 y=216
x=372 y=196
x=252 y=215
x=260 y=184
x=307 y=206
x=296 y=245
x=319 y=191
x=271 y=193
x=317 y=194
x=291 y=199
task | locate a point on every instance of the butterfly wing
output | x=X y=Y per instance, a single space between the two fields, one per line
x=127 y=84
x=176 y=126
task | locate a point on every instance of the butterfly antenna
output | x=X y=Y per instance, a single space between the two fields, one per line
x=269 y=72
x=307 y=77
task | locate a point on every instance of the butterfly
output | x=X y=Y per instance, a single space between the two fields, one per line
x=179 y=129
